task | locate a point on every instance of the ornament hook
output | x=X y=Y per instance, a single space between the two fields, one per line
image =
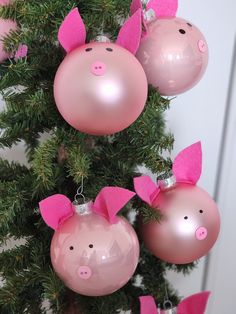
x=79 y=193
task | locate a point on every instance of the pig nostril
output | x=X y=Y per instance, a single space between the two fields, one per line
x=98 y=68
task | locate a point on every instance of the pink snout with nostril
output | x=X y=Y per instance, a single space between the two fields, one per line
x=84 y=272
x=98 y=68
x=202 y=46
x=201 y=233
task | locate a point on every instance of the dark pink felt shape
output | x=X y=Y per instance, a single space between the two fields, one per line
x=55 y=210
x=110 y=200
x=187 y=166
x=135 y=5
x=146 y=189
x=130 y=33
x=72 y=32
x=147 y=305
x=163 y=8
x=195 y=304
x=21 y=52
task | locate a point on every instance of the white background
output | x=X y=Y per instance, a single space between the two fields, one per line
x=208 y=113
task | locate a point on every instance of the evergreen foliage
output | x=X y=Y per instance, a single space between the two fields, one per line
x=58 y=163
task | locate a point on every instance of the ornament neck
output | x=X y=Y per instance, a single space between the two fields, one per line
x=102 y=39
x=169 y=311
x=83 y=208
x=166 y=181
x=149 y=16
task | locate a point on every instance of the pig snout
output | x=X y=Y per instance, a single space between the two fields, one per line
x=201 y=233
x=202 y=46
x=84 y=272
x=98 y=68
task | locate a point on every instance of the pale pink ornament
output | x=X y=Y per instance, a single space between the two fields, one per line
x=100 y=88
x=6 y=26
x=93 y=251
x=195 y=304
x=191 y=221
x=5 y=2
x=173 y=51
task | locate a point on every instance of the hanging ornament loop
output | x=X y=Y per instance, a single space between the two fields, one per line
x=79 y=194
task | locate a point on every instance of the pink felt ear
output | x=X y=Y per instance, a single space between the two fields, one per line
x=146 y=189
x=110 y=200
x=195 y=304
x=130 y=33
x=55 y=210
x=163 y=8
x=21 y=52
x=187 y=166
x=147 y=305
x=135 y=6
x=72 y=32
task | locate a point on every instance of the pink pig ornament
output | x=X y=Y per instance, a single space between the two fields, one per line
x=100 y=88
x=195 y=304
x=173 y=51
x=191 y=223
x=93 y=251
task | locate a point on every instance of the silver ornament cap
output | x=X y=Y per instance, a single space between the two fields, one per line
x=166 y=181
x=83 y=208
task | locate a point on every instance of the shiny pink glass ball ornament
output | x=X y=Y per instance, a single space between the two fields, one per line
x=189 y=227
x=100 y=88
x=92 y=256
x=174 y=55
x=6 y=26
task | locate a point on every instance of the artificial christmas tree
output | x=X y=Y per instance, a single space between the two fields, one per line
x=58 y=164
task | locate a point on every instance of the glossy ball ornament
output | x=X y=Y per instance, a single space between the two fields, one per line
x=93 y=255
x=100 y=88
x=174 y=55
x=190 y=221
x=6 y=26
x=189 y=228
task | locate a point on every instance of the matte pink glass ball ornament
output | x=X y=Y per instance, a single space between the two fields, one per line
x=189 y=228
x=5 y=27
x=100 y=88
x=92 y=256
x=174 y=55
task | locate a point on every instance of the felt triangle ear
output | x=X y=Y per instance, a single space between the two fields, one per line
x=187 y=166
x=163 y=8
x=55 y=210
x=146 y=189
x=195 y=304
x=110 y=200
x=130 y=33
x=72 y=32
x=135 y=6
x=147 y=305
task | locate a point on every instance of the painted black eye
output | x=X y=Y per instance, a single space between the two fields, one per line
x=71 y=248
x=182 y=31
x=88 y=49
x=201 y=211
x=109 y=49
x=91 y=246
x=189 y=24
x=186 y=217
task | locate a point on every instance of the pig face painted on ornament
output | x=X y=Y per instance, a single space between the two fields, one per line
x=173 y=51
x=190 y=221
x=93 y=251
x=100 y=88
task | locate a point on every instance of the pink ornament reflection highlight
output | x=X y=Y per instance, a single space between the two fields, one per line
x=94 y=257
x=174 y=55
x=189 y=228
